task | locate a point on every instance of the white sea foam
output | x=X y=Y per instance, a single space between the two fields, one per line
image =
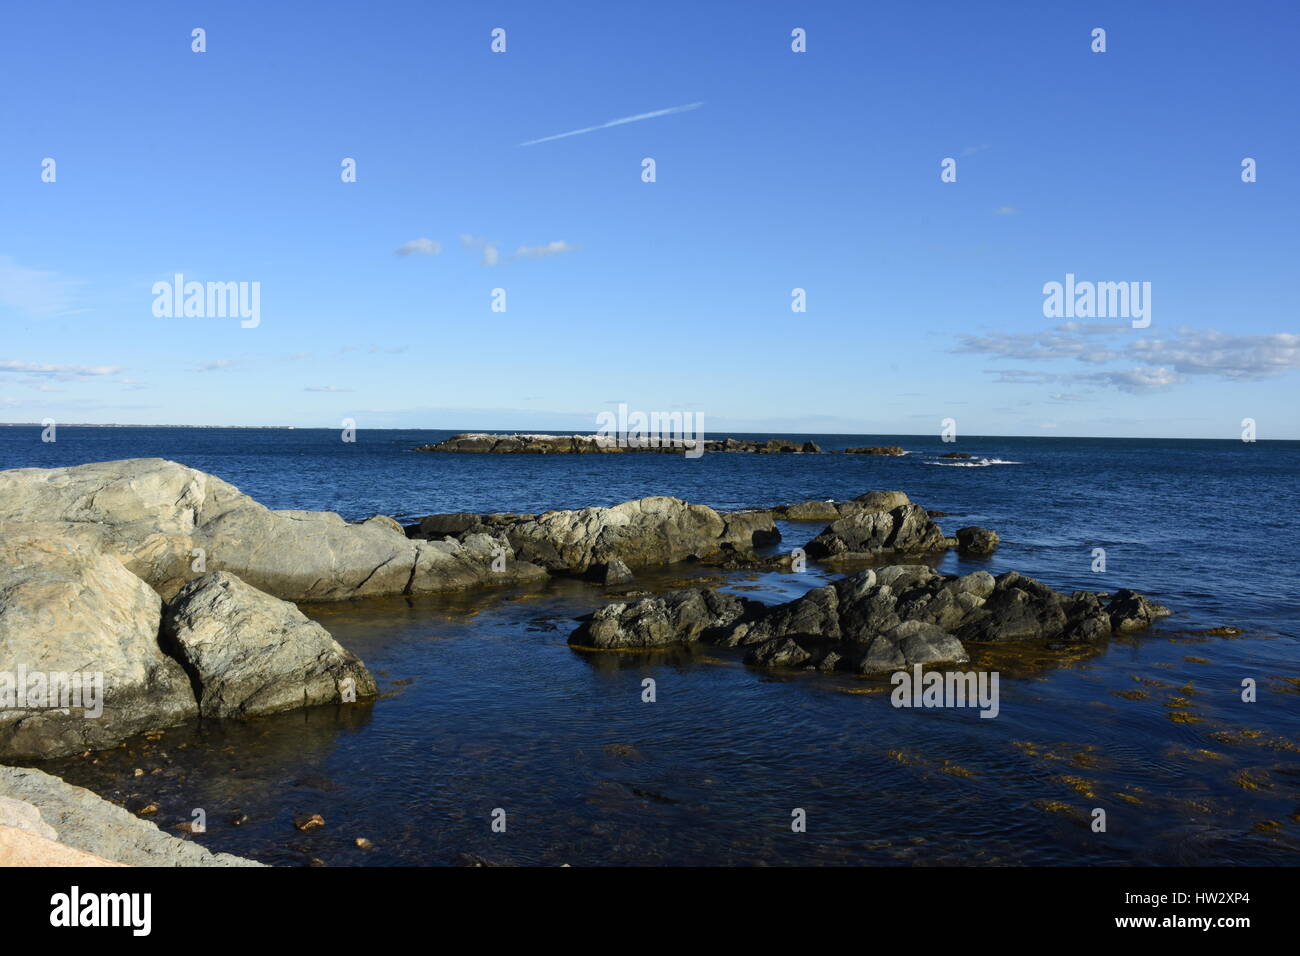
x=975 y=463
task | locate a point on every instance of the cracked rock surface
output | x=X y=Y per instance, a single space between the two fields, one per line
x=249 y=653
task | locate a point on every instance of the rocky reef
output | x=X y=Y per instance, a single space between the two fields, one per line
x=892 y=451
x=527 y=444
x=660 y=530
x=174 y=587
x=873 y=621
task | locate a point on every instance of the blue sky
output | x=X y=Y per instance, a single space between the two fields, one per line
x=817 y=170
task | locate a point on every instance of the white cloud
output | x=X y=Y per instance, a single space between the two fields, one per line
x=59 y=371
x=616 y=122
x=491 y=255
x=1162 y=360
x=1240 y=357
x=541 y=252
x=1060 y=342
x=421 y=247
x=325 y=388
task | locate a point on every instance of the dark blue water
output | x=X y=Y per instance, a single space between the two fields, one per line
x=487 y=707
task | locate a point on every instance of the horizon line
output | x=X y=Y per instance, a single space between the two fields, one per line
x=571 y=431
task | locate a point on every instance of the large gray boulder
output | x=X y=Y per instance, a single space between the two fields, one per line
x=91 y=824
x=677 y=617
x=904 y=529
x=169 y=524
x=824 y=511
x=640 y=533
x=70 y=613
x=249 y=653
x=831 y=510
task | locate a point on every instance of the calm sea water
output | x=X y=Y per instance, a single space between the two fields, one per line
x=486 y=707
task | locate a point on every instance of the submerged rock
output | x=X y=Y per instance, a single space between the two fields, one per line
x=249 y=653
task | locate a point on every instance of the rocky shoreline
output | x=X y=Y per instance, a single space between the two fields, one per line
x=177 y=591
x=47 y=822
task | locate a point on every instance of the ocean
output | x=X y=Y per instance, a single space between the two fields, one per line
x=484 y=707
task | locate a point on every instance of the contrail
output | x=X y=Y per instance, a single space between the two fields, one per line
x=616 y=122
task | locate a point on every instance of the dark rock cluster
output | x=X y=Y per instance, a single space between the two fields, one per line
x=874 y=620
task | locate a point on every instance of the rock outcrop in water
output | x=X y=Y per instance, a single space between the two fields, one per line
x=249 y=653
x=77 y=628
x=892 y=451
x=653 y=531
x=872 y=621
x=882 y=523
x=87 y=555
x=162 y=519
x=483 y=443
x=675 y=618
x=830 y=510
x=975 y=540
x=639 y=533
